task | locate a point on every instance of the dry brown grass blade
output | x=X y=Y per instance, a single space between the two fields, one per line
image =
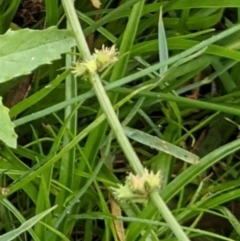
x=116 y=211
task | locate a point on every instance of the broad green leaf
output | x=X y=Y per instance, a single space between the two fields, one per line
x=161 y=145
x=7 y=134
x=25 y=226
x=24 y=50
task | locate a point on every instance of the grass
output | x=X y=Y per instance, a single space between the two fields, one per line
x=176 y=79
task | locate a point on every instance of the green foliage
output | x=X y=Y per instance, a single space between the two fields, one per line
x=8 y=9
x=7 y=133
x=161 y=145
x=24 y=50
x=25 y=226
x=174 y=88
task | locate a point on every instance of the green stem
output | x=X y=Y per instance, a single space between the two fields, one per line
x=114 y=122
x=100 y=92
x=167 y=215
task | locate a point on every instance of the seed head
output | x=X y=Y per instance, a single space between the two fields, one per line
x=138 y=187
x=105 y=57
x=100 y=60
x=152 y=181
x=136 y=183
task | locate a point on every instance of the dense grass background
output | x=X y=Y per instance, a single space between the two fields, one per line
x=68 y=157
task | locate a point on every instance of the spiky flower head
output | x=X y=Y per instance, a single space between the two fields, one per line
x=100 y=60
x=85 y=68
x=124 y=193
x=138 y=187
x=105 y=57
x=90 y=65
x=152 y=181
x=136 y=183
x=79 y=69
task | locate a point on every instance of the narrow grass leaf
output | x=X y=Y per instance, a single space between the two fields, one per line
x=161 y=145
x=162 y=43
x=103 y=216
x=232 y=219
x=25 y=226
x=111 y=15
x=7 y=14
x=19 y=217
x=57 y=232
x=39 y=95
x=187 y=4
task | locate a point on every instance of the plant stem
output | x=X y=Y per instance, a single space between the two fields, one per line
x=114 y=121
x=100 y=92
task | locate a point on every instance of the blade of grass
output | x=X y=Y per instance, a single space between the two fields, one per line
x=7 y=16
x=66 y=174
x=161 y=145
x=25 y=226
x=19 y=217
x=162 y=43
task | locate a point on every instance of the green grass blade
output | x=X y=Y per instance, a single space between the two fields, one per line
x=25 y=226
x=161 y=145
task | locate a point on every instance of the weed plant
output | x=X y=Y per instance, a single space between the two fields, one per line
x=169 y=104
